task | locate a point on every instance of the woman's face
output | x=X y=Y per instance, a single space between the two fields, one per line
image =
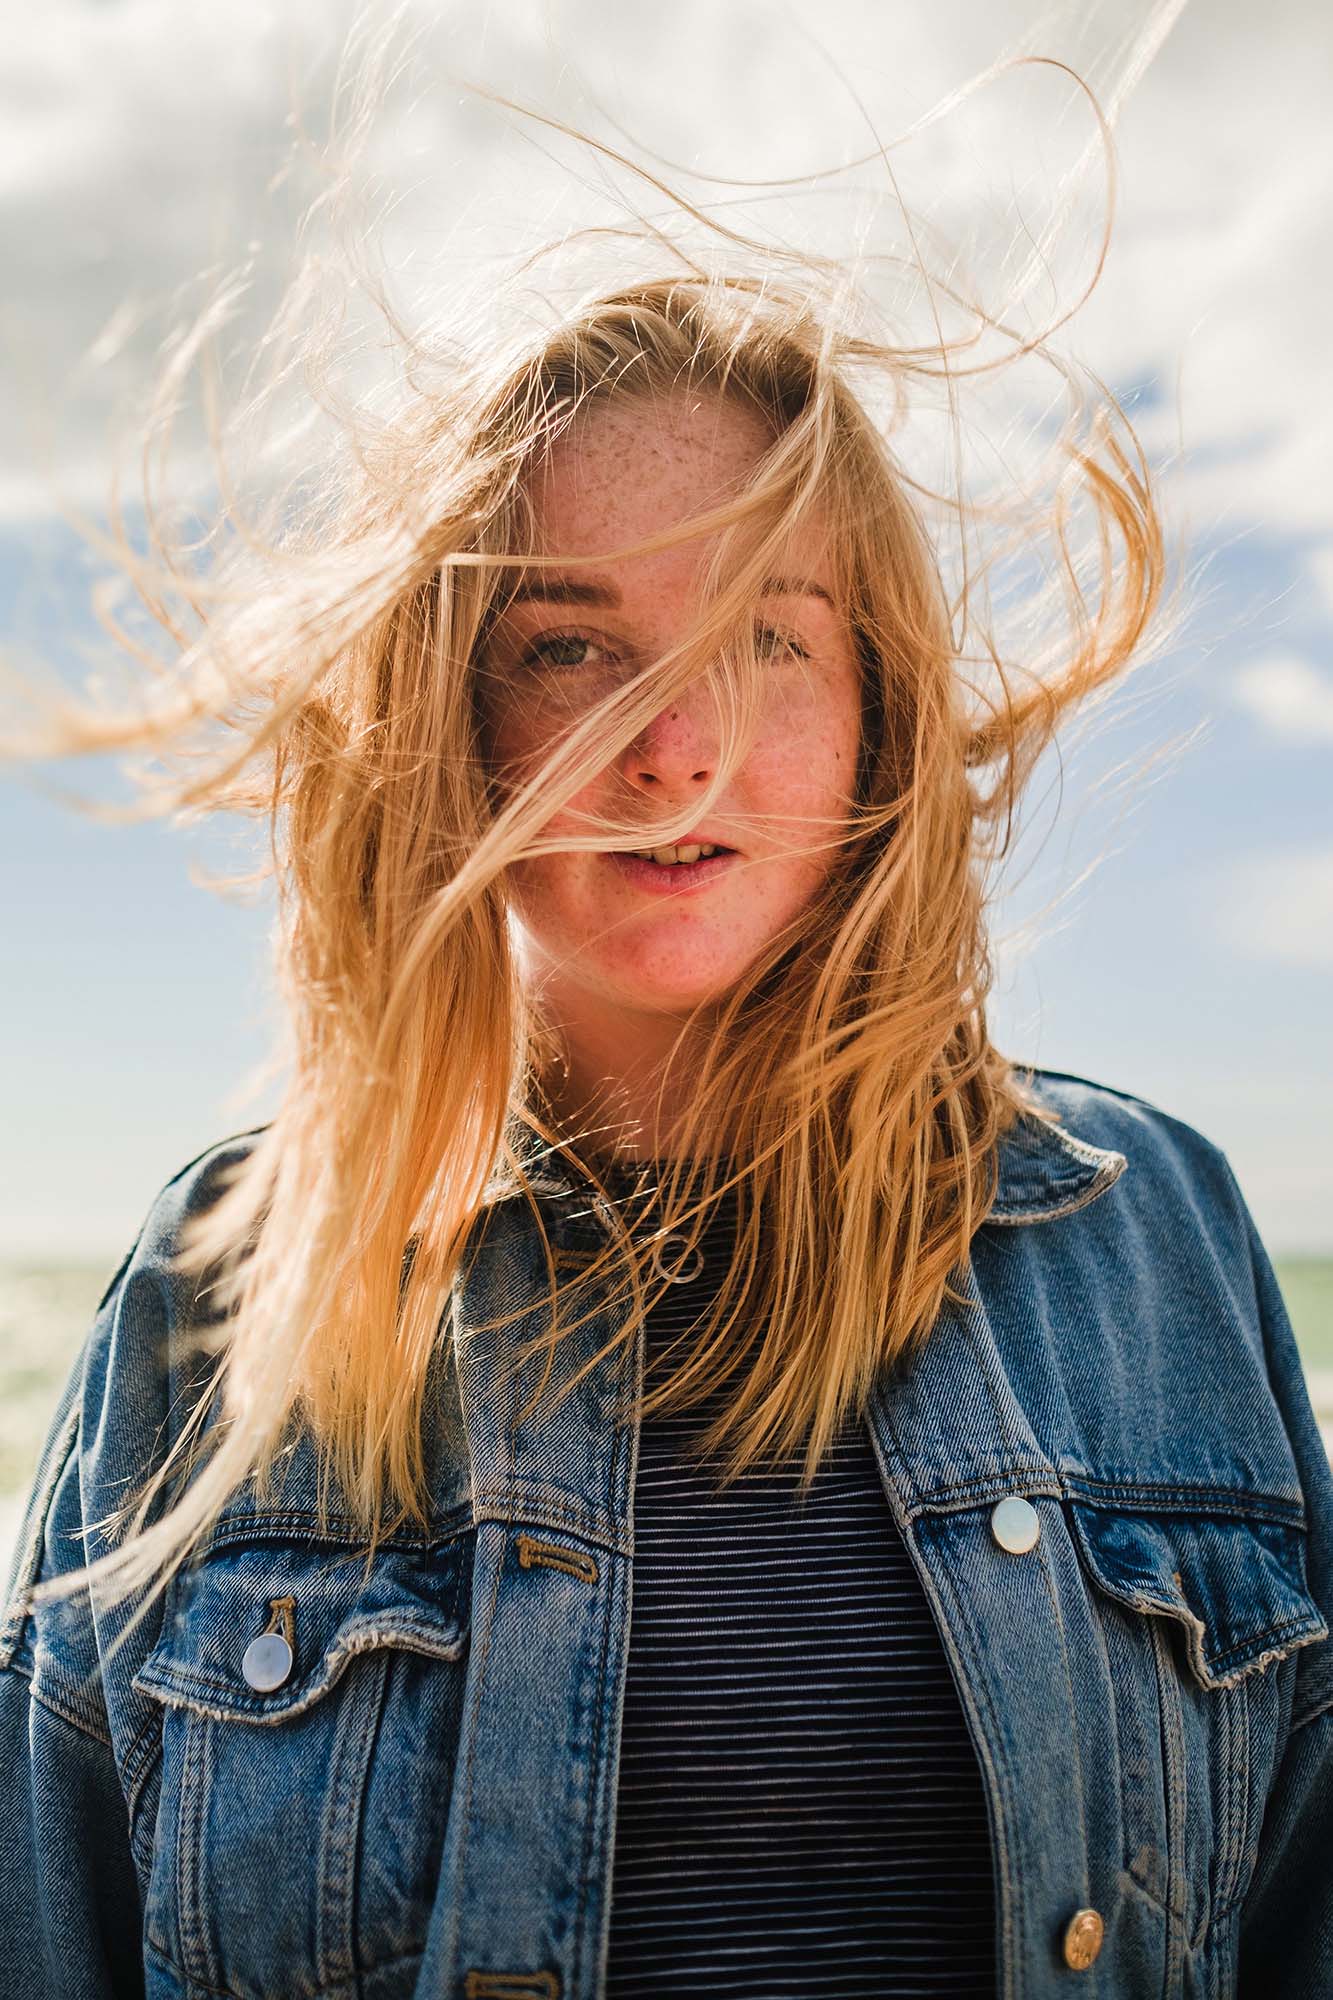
x=608 y=927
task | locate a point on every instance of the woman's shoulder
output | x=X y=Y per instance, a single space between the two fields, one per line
x=128 y=1389
x=1156 y=1307
x=143 y=1344
x=190 y=1190
x=1109 y=1115
x=1164 y=1228
x=1167 y=1331
x=1148 y=1154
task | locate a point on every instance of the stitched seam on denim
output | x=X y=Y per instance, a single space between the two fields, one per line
x=1253 y=1652
x=541 y=1506
x=17 y=1612
x=344 y=1807
x=145 y=1747
x=143 y=1836
x=188 y=1845
x=1099 y=1619
x=1321 y=1707
x=590 y=1793
x=72 y=1689
x=1191 y=1499
x=359 y=1634
x=1219 y=1869
x=173 y=1964
x=279 y=1525
x=186 y=1687
x=1082 y=1149
x=992 y=1752
x=1174 y=1773
x=470 y=1723
x=1245 y=1650
x=1043 y=1554
x=1023 y=1476
x=1009 y=1218
x=1129 y=1880
x=76 y=1721
x=991 y=1749
x=1026 y=1476
x=600 y=1804
x=1239 y=1774
x=995 y=1750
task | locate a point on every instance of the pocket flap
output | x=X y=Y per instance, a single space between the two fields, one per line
x=1236 y=1583
x=415 y=1601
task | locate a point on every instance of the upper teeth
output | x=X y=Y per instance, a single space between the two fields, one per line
x=669 y=854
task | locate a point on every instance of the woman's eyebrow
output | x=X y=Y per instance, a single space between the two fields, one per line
x=566 y=590
x=602 y=592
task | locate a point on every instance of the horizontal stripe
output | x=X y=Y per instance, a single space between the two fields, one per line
x=799 y=1809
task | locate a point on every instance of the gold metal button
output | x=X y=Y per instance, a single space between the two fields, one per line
x=1083 y=1939
x=1015 y=1525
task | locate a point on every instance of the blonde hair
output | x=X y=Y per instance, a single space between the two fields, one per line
x=334 y=688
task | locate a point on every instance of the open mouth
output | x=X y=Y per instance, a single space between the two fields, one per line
x=684 y=855
x=675 y=868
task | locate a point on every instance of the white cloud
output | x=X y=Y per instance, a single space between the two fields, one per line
x=1289 y=696
x=121 y=177
x=1279 y=906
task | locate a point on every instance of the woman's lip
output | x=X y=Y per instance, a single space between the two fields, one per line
x=676 y=879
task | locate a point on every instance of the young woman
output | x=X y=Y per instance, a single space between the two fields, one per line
x=670 y=1466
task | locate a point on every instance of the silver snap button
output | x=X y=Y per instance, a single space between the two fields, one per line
x=1015 y=1525
x=267 y=1662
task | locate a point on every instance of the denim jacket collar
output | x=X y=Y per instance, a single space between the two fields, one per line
x=484 y=1461
x=1045 y=1171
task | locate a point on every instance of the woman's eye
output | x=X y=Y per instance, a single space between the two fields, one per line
x=767 y=640
x=555 y=650
x=561 y=650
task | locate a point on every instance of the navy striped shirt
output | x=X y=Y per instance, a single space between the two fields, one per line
x=800 y=1809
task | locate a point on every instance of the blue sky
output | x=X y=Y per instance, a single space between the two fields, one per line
x=1194 y=965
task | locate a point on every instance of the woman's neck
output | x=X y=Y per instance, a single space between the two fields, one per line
x=627 y=1079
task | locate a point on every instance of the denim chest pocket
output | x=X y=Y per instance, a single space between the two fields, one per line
x=310 y=1712
x=1199 y=1607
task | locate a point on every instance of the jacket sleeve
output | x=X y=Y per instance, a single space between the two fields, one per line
x=69 y=1900
x=1286 y=1932
x=80 y=1744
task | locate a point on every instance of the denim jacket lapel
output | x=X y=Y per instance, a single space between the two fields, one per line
x=522 y=1905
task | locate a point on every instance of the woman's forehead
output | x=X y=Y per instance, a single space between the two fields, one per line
x=673 y=457
x=632 y=471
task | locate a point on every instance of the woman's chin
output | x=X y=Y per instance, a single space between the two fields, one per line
x=654 y=987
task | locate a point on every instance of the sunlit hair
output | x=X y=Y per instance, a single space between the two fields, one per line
x=845 y=1089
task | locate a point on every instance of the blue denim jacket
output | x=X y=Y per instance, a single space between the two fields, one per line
x=425 y=1802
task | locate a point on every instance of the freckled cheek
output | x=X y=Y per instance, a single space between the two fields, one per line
x=513 y=751
x=553 y=891
x=508 y=748
x=818 y=727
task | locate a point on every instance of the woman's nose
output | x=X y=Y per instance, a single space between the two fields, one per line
x=679 y=745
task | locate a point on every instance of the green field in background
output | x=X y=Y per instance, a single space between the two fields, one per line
x=46 y=1310
x=1307 y=1287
